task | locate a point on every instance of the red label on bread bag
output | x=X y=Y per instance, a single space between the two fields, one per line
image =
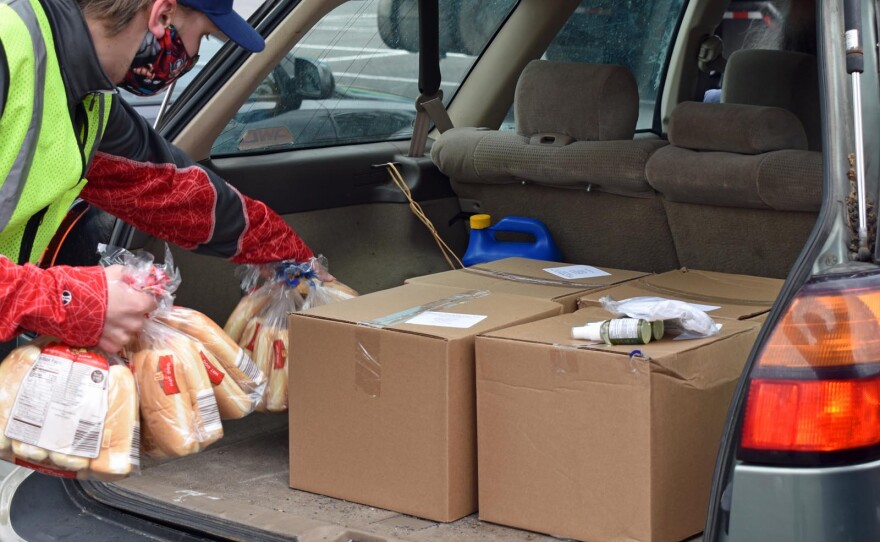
x=251 y=344
x=45 y=470
x=280 y=356
x=169 y=380
x=214 y=374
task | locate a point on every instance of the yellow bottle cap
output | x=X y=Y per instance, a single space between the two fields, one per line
x=480 y=222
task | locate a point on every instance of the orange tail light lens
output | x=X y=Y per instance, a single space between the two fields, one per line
x=815 y=387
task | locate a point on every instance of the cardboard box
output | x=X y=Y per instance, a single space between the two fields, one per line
x=593 y=444
x=383 y=412
x=523 y=276
x=738 y=297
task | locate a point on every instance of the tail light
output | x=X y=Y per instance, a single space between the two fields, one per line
x=814 y=390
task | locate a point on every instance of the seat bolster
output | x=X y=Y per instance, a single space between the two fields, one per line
x=708 y=178
x=745 y=129
x=453 y=152
x=504 y=158
x=791 y=180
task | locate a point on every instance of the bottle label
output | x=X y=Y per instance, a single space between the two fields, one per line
x=625 y=331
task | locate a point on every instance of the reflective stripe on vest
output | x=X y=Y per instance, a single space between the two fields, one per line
x=42 y=159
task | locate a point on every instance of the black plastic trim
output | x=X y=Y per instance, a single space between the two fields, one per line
x=847 y=372
x=45 y=508
x=809 y=459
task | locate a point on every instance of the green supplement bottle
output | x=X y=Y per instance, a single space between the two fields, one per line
x=616 y=331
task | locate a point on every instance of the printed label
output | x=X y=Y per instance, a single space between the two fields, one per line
x=280 y=354
x=215 y=375
x=623 y=329
x=208 y=412
x=253 y=342
x=134 y=456
x=250 y=369
x=577 y=272
x=62 y=402
x=169 y=379
x=45 y=470
x=447 y=319
x=852 y=39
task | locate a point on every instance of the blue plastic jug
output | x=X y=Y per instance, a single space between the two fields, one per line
x=484 y=247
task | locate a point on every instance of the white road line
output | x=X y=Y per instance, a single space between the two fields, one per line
x=345 y=48
x=363 y=57
x=318 y=28
x=388 y=78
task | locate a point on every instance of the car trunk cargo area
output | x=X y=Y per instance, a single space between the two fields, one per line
x=244 y=478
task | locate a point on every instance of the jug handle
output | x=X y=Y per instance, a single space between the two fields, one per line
x=520 y=224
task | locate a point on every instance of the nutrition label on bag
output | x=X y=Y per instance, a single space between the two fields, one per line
x=62 y=402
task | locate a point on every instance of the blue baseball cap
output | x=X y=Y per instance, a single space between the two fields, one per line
x=229 y=22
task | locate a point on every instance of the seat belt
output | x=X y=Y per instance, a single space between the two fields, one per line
x=429 y=104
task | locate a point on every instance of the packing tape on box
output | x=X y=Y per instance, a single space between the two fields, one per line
x=565 y=363
x=367 y=367
x=565 y=358
x=401 y=317
x=715 y=300
x=515 y=277
x=368 y=350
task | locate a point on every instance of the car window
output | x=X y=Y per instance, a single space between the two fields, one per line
x=353 y=78
x=631 y=33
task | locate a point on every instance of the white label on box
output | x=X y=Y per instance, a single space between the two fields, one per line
x=446 y=319
x=573 y=272
x=62 y=403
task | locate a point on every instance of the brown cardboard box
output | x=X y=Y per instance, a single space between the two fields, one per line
x=383 y=412
x=738 y=297
x=524 y=276
x=594 y=444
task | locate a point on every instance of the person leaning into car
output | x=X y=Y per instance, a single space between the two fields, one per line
x=60 y=123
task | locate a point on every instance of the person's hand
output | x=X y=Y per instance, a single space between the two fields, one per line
x=127 y=308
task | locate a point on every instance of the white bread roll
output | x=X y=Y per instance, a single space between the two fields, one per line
x=12 y=372
x=271 y=349
x=204 y=404
x=237 y=395
x=248 y=307
x=167 y=419
x=114 y=459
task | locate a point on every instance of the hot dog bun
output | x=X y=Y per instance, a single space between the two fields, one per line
x=271 y=349
x=166 y=404
x=114 y=459
x=12 y=372
x=204 y=404
x=248 y=307
x=237 y=395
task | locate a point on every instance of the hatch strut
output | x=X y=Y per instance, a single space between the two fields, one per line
x=855 y=65
x=429 y=104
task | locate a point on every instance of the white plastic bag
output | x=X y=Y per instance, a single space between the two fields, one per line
x=675 y=313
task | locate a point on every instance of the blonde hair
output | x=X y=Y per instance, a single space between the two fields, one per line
x=115 y=14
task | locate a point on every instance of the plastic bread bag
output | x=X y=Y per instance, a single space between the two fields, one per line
x=296 y=288
x=257 y=294
x=678 y=314
x=69 y=412
x=238 y=382
x=179 y=412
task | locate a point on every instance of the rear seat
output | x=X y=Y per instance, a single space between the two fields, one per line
x=572 y=163
x=740 y=185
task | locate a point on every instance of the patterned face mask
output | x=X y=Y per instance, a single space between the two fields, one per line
x=158 y=63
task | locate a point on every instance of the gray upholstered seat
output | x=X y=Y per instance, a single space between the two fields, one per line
x=741 y=180
x=572 y=162
x=574 y=129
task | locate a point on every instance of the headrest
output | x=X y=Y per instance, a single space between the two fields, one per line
x=588 y=102
x=785 y=79
x=743 y=129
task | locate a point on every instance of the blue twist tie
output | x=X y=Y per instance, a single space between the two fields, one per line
x=292 y=273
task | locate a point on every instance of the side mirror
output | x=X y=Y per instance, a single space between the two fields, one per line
x=312 y=79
